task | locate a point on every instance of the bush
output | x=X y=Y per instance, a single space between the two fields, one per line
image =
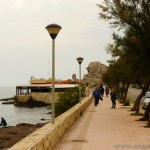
x=126 y=103
x=66 y=101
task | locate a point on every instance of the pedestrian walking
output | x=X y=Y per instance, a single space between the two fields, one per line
x=101 y=89
x=106 y=90
x=113 y=98
x=96 y=95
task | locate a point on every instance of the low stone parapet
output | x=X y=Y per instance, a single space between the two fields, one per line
x=47 y=136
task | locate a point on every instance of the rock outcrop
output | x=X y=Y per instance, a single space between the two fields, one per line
x=95 y=71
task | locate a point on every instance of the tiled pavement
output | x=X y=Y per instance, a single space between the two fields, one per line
x=103 y=128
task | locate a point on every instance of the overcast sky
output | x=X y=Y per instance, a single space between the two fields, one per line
x=26 y=47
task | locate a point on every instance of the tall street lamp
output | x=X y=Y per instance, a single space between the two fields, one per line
x=88 y=69
x=53 y=30
x=80 y=59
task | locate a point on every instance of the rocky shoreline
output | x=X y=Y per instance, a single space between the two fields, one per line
x=11 y=135
x=30 y=103
x=7 y=99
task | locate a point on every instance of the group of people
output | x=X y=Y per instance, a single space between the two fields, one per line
x=98 y=94
x=3 y=122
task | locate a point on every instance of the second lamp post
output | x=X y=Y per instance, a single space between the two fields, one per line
x=80 y=59
x=88 y=69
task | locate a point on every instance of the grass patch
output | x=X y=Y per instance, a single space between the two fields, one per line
x=141 y=119
x=126 y=103
x=136 y=114
x=125 y=107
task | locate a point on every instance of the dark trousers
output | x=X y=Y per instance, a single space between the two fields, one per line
x=96 y=100
x=113 y=103
x=107 y=93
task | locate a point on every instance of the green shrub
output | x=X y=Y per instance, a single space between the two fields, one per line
x=66 y=101
x=126 y=103
x=83 y=90
x=136 y=114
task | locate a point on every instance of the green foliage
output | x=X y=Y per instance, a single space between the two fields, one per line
x=66 y=101
x=106 y=77
x=126 y=103
x=133 y=18
x=83 y=89
x=130 y=49
x=136 y=114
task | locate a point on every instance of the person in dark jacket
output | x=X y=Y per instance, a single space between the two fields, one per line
x=101 y=89
x=113 y=98
x=107 y=90
x=3 y=122
x=96 y=95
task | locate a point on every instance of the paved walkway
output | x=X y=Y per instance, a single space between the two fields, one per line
x=103 y=128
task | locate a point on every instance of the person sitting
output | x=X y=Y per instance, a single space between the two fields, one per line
x=3 y=122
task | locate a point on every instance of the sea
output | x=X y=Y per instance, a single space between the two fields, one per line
x=16 y=115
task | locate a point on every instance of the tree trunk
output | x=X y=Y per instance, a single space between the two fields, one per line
x=122 y=90
x=136 y=105
x=146 y=113
x=116 y=87
x=126 y=91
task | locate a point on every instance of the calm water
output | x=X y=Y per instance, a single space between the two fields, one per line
x=15 y=115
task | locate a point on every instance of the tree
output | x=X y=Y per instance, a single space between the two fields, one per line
x=133 y=18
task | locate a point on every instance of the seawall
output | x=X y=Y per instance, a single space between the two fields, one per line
x=47 y=137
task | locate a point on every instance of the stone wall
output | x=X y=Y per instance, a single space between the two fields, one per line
x=23 y=98
x=44 y=97
x=38 y=96
x=47 y=137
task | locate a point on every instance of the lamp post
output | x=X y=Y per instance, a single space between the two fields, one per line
x=88 y=69
x=53 y=30
x=80 y=59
